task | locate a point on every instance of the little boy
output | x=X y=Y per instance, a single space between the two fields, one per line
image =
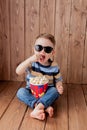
x=41 y=63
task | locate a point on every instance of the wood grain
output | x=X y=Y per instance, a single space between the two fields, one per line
x=47 y=16
x=85 y=92
x=7 y=94
x=4 y=41
x=31 y=25
x=77 y=108
x=62 y=20
x=85 y=58
x=70 y=110
x=60 y=119
x=17 y=35
x=30 y=123
x=22 y=20
x=76 y=42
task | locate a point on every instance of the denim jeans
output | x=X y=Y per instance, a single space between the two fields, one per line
x=47 y=99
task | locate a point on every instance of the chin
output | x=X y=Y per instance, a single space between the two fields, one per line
x=44 y=63
x=41 y=62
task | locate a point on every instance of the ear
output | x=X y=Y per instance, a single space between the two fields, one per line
x=53 y=52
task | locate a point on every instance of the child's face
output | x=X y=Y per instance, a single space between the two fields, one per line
x=44 y=48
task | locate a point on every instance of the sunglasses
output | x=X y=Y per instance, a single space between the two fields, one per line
x=47 y=49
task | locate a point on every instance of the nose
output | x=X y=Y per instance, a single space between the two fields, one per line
x=43 y=51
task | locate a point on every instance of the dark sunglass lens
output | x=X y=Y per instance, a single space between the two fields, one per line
x=38 y=47
x=48 y=49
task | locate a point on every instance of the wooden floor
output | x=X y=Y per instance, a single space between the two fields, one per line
x=70 y=110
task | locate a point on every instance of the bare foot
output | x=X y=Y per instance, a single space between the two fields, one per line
x=38 y=112
x=49 y=110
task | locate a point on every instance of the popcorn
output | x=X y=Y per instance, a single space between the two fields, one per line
x=38 y=86
x=38 y=80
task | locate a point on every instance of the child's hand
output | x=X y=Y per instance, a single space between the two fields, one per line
x=59 y=87
x=34 y=58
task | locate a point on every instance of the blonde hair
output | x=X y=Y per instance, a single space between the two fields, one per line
x=47 y=36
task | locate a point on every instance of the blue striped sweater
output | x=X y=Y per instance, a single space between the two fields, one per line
x=52 y=72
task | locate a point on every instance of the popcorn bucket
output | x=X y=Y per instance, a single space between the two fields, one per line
x=38 y=90
x=38 y=86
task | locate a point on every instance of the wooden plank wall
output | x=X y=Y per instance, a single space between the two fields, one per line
x=22 y=20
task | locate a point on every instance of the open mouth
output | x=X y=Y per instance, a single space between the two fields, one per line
x=42 y=58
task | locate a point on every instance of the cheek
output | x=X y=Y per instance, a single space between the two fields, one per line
x=35 y=52
x=48 y=56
